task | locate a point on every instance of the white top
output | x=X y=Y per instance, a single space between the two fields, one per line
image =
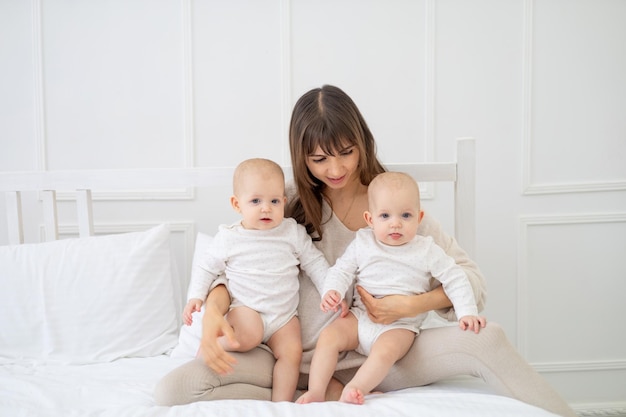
x=406 y=270
x=261 y=266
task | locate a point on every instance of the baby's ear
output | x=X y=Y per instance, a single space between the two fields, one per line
x=234 y=202
x=368 y=218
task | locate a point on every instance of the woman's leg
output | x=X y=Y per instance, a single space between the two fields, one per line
x=449 y=351
x=194 y=381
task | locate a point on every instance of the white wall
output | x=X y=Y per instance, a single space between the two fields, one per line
x=541 y=85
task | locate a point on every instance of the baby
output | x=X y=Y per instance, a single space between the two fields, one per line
x=260 y=257
x=387 y=258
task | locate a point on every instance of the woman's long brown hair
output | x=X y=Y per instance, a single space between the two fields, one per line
x=327 y=118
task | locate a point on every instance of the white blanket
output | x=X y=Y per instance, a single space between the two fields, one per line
x=65 y=352
x=125 y=388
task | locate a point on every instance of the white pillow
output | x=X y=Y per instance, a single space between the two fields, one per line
x=88 y=300
x=189 y=338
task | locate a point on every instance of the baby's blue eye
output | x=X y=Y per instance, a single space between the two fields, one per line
x=406 y=215
x=384 y=215
x=276 y=201
x=255 y=200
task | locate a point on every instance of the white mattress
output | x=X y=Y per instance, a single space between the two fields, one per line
x=124 y=388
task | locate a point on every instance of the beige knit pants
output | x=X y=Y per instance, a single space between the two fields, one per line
x=436 y=354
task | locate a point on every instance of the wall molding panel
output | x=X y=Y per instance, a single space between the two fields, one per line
x=428 y=189
x=188 y=112
x=601 y=410
x=522 y=294
x=286 y=74
x=39 y=90
x=529 y=186
x=574 y=371
x=429 y=78
x=580 y=187
x=580 y=366
x=187 y=128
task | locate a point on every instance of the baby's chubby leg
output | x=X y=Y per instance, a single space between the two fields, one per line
x=338 y=336
x=286 y=344
x=248 y=327
x=390 y=346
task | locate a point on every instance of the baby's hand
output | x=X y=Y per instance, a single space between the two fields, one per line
x=472 y=323
x=330 y=301
x=344 y=308
x=193 y=305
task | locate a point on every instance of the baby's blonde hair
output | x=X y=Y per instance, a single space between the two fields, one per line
x=261 y=167
x=393 y=180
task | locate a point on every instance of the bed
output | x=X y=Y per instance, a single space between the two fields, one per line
x=75 y=335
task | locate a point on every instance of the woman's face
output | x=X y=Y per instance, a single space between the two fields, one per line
x=335 y=170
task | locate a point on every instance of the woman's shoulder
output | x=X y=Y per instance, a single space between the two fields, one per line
x=429 y=226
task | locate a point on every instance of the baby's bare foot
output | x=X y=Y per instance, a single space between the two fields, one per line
x=352 y=396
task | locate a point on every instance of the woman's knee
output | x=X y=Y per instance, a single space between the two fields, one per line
x=195 y=381
x=493 y=333
x=165 y=393
x=179 y=385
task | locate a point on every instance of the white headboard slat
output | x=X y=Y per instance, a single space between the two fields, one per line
x=50 y=217
x=465 y=195
x=84 y=213
x=14 y=217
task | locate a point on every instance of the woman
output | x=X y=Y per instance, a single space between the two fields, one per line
x=334 y=159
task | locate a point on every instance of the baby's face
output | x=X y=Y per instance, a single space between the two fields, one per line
x=262 y=202
x=395 y=216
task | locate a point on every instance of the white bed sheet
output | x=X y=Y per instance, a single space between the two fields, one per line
x=125 y=388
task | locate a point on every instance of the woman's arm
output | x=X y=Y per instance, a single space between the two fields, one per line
x=214 y=326
x=388 y=309
x=431 y=227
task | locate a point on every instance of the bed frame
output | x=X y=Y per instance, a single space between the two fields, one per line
x=84 y=182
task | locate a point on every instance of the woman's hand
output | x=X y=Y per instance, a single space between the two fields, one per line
x=388 y=309
x=214 y=327
x=383 y=310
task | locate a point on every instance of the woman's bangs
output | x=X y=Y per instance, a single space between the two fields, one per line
x=330 y=139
